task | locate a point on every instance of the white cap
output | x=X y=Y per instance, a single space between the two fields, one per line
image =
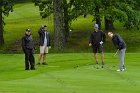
x=96 y=26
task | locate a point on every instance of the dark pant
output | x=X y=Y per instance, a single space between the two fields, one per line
x=97 y=48
x=29 y=59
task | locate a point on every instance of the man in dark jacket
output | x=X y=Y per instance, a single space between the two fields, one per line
x=96 y=40
x=28 y=48
x=121 y=46
x=44 y=43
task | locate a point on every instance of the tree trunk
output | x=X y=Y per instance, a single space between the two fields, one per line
x=66 y=20
x=97 y=15
x=58 y=25
x=1 y=27
x=109 y=24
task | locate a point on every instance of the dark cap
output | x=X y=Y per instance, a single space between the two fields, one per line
x=28 y=30
x=43 y=26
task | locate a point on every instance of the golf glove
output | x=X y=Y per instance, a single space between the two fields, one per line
x=49 y=47
x=90 y=44
x=101 y=42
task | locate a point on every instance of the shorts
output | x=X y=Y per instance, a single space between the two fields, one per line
x=44 y=49
x=98 y=49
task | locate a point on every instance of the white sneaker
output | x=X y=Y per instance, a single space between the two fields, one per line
x=120 y=70
x=124 y=68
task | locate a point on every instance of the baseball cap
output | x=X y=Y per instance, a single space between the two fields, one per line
x=96 y=26
x=28 y=30
x=43 y=26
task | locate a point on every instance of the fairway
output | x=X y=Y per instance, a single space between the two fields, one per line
x=69 y=73
x=69 y=28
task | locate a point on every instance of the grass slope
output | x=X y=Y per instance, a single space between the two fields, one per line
x=26 y=15
x=69 y=73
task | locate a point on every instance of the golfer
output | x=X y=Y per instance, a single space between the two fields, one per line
x=121 y=46
x=28 y=48
x=44 y=42
x=96 y=40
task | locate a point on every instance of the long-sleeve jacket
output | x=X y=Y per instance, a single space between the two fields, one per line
x=97 y=37
x=27 y=42
x=42 y=36
x=118 y=42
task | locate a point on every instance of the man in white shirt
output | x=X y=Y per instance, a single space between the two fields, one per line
x=44 y=44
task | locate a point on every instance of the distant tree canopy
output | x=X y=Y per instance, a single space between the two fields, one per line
x=137 y=6
x=70 y=10
x=5 y=7
x=111 y=10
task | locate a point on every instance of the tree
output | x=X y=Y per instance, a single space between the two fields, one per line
x=5 y=7
x=112 y=10
x=48 y=7
x=70 y=11
x=95 y=10
x=69 y=8
x=1 y=26
x=137 y=6
x=107 y=6
x=58 y=25
x=122 y=10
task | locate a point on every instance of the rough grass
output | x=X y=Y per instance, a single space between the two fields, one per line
x=26 y=15
x=70 y=73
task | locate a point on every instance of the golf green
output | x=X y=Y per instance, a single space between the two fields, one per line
x=69 y=73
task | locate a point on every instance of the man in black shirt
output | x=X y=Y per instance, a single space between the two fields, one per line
x=96 y=40
x=121 y=46
x=28 y=48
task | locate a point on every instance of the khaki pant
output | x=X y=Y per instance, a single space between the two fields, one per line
x=44 y=49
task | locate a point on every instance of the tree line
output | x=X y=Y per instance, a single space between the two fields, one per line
x=65 y=11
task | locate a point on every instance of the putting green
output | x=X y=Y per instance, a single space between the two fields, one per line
x=69 y=73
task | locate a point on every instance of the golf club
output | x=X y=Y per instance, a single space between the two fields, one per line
x=116 y=53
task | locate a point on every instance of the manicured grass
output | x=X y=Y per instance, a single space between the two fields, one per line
x=69 y=73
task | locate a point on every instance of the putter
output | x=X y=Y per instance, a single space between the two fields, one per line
x=116 y=53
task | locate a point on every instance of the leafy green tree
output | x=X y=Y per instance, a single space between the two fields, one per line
x=46 y=8
x=70 y=9
x=112 y=10
x=94 y=7
x=5 y=7
x=122 y=10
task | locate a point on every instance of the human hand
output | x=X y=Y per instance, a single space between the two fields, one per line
x=49 y=47
x=90 y=44
x=101 y=42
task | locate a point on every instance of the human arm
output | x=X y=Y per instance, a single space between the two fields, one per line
x=23 y=44
x=90 y=40
x=120 y=41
